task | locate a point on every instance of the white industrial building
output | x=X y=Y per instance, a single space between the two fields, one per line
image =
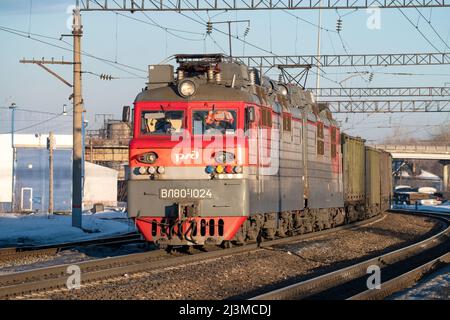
x=31 y=183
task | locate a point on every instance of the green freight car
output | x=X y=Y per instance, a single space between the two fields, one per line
x=367 y=179
x=354 y=159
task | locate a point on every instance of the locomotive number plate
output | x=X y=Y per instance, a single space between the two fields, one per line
x=185 y=193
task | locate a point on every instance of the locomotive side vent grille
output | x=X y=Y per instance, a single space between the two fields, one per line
x=205 y=228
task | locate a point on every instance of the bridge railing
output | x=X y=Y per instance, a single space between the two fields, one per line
x=414 y=148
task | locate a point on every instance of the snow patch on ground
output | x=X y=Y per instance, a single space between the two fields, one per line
x=43 y=229
x=444 y=207
x=434 y=287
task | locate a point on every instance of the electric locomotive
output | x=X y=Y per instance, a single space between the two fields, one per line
x=221 y=153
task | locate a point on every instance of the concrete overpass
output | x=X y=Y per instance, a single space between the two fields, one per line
x=417 y=152
x=441 y=153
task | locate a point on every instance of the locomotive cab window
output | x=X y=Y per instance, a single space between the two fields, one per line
x=214 y=122
x=162 y=122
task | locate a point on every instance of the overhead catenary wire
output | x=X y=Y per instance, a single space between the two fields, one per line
x=307 y=21
x=29 y=18
x=252 y=45
x=117 y=38
x=418 y=30
x=432 y=27
x=166 y=29
x=84 y=53
x=110 y=77
x=31 y=110
x=56 y=116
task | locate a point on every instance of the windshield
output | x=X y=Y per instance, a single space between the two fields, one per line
x=162 y=122
x=214 y=122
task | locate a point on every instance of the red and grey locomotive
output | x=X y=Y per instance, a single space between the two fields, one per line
x=221 y=153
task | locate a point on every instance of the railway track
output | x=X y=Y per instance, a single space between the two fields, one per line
x=24 y=284
x=14 y=253
x=45 y=279
x=398 y=269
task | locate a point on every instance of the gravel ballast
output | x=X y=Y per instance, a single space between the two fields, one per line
x=248 y=274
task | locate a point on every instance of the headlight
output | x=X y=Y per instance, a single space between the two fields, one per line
x=151 y=170
x=161 y=170
x=187 y=88
x=224 y=157
x=283 y=89
x=149 y=157
x=142 y=170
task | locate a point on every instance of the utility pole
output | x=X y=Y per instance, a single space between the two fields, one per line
x=78 y=109
x=77 y=196
x=229 y=38
x=50 y=147
x=13 y=180
x=319 y=29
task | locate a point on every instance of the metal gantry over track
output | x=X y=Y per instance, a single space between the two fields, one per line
x=388 y=106
x=356 y=60
x=383 y=92
x=216 y=5
x=345 y=104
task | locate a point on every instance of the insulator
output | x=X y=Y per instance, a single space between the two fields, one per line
x=209 y=27
x=280 y=78
x=180 y=75
x=247 y=30
x=339 y=25
x=371 y=77
x=252 y=77
x=218 y=77
x=210 y=74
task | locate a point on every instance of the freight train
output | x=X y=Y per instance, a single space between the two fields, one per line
x=222 y=154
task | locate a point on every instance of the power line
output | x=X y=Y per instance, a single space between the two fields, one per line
x=30 y=110
x=109 y=77
x=308 y=22
x=167 y=29
x=418 y=30
x=41 y=122
x=435 y=31
x=84 y=53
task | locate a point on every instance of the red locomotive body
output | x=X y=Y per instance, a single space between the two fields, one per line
x=187 y=155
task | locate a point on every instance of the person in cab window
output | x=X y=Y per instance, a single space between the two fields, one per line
x=219 y=121
x=163 y=126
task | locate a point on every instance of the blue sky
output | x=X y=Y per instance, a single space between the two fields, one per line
x=138 y=44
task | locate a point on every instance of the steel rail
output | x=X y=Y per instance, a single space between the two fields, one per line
x=27 y=282
x=317 y=285
x=26 y=251
x=404 y=281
